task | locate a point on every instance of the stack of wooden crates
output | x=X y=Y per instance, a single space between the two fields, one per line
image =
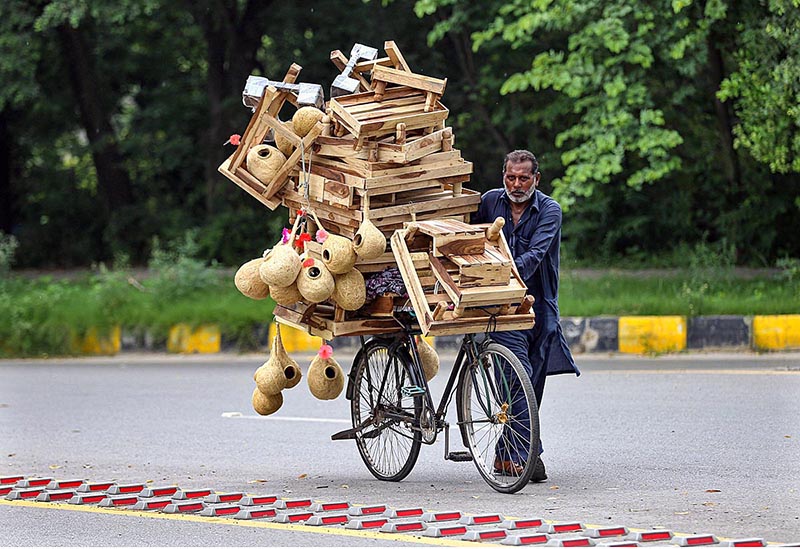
x=386 y=154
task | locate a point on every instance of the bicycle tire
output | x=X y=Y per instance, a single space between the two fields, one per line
x=389 y=447
x=493 y=393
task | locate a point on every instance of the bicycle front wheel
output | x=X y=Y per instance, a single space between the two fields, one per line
x=386 y=409
x=499 y=418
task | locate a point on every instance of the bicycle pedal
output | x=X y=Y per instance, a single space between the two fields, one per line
x=412 y=391
x=459 y=456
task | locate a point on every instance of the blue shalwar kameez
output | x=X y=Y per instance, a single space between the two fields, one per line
x=534 y=244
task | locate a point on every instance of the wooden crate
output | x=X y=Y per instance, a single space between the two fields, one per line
x=365 y=116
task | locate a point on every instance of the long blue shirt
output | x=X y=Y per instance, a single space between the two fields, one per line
x=534 y=244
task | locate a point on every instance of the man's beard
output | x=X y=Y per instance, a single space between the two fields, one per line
x=520 y=197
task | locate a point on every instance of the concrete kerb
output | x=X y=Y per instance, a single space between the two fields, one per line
x=625 y=334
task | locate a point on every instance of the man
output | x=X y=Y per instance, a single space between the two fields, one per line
x=533 y=233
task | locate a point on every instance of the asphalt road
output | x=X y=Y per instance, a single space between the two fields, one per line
x=694 y=443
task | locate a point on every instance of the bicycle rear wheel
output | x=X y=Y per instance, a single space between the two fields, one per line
x=499 y=418
x=385 y=412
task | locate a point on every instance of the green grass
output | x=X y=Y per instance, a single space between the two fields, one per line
x=41 y=316
x=690 y=294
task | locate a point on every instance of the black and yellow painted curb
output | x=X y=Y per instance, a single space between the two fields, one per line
x=624 y=334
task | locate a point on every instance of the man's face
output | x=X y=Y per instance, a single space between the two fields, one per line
x=520 y=181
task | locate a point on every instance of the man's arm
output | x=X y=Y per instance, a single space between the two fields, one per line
x=541 y=239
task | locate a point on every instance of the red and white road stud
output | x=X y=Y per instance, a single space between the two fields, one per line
x=158 y=491
x=151 y=504
x=651 y=535
x=65 y=484
x=403 y=527
x=256 y=512
x=258 y=500
x=24 y=493
x=11 y=479
x=442 y=516
x=328 y=507
x=185 y=506
x=570 y=542
x=125 y=489
x=95 y=486
x=526 y=539
x=5 y=490
x=55 y=495
x=119 y=501
x=328 y=520
x=404 y=513
x=518 y=524
x=561 y=527
x=192 y=494
x=223 y=510
x=618 y=544
x=475 y=520
x=300 y=516
x=745 y=542
x=229 y=497
x=366 y=524
x=292 y=503
x=695 y=540
x=35 y=482
x=87 y=498
x=445 y=531
x=485 y=535
x=607 y=532
x=366 y=510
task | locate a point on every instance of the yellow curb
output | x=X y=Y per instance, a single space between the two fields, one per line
x=776 y=332
x=185 y=339
x=294 y=340
x=96 y=342
x=652 y=334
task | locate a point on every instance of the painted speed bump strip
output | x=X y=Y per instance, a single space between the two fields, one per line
x=652 y=334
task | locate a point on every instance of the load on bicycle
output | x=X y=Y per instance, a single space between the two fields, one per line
x=380 y=245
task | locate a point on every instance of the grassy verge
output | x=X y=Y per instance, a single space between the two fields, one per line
x=41 y=316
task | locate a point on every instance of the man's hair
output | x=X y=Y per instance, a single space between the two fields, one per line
x=515 y=157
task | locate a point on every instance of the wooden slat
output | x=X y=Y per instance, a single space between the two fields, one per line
x=415 y=292
x=405 y=78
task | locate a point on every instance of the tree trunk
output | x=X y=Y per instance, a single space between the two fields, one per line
x=730 y=159
x=233 y=37
x=114 y=185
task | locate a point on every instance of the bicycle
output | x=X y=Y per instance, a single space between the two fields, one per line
x=393 y=412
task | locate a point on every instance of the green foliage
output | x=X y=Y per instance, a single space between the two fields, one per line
x=765 y=88
x=177 y=271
